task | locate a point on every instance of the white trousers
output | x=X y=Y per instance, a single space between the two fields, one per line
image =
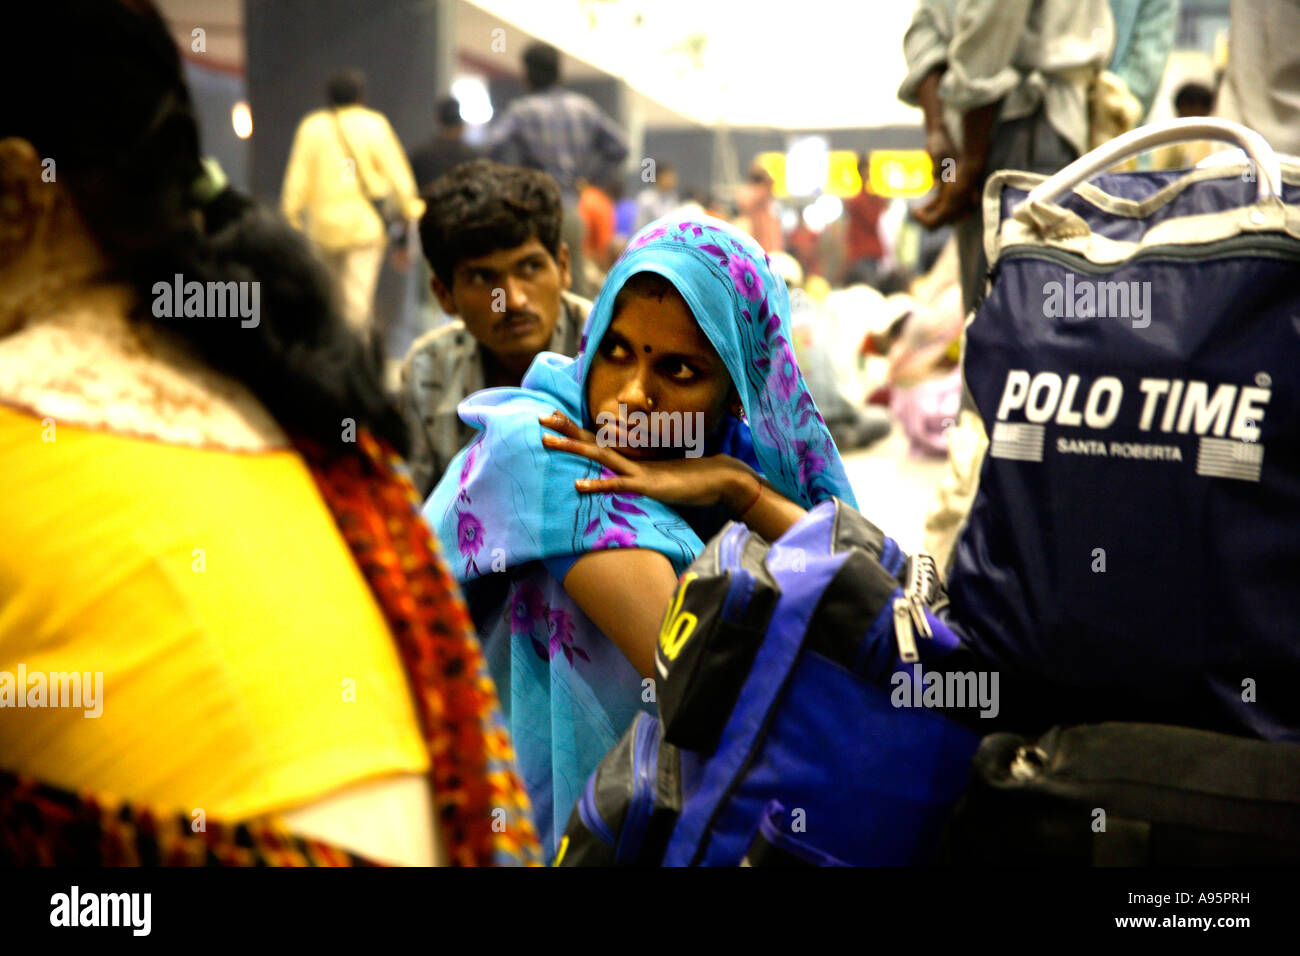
x=356 y=273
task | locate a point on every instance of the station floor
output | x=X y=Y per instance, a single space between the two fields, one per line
x=894 y=489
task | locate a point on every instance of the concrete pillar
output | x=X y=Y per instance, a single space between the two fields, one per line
x=293 y=46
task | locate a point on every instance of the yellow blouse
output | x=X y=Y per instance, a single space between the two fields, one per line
x=246 y=667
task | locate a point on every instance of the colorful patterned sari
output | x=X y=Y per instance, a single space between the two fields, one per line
x=510 y=518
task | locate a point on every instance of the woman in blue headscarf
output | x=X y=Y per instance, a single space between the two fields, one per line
x=591 y=488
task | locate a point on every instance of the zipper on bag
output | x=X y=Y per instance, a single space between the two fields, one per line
x=1259 y=245
x=909 y=609
x=922 y=583
x=907 y=651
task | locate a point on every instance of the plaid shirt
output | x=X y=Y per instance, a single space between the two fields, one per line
x=561 y=133
x=441 y=370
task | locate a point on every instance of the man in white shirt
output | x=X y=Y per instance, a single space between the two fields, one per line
x=1261 y=88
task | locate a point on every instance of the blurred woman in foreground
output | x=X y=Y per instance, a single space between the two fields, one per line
x=202 y=518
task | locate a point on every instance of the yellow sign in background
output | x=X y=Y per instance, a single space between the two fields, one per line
x=901 y=173
x=893 y=173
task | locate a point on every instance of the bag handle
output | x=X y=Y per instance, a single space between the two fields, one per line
x=1139 y=140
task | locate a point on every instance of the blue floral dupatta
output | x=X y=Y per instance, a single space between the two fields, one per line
x=511 y=522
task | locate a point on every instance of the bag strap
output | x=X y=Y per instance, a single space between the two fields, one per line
x=347 y=147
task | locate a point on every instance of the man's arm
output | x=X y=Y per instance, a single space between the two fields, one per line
x=985 y=36
x=607 y=140
x=979 y=73
x=396 y=170
x=925 y=47
x=297 y=180
x=961 y=180
x=943 y=154
x=499 y=143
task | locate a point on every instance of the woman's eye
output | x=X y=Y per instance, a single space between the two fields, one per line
x=681 y=372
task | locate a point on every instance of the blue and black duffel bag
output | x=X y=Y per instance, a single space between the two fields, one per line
x=790 y=728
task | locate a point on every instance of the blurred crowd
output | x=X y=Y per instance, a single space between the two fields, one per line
x=881 y=288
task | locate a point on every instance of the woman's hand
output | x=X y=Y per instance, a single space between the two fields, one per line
x=711 y=480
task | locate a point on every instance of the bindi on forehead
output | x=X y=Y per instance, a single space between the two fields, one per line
x=646 y=348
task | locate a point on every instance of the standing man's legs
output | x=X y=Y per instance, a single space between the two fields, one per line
x=1030 y=144
x=968 y=233
x=354 y=271
x=358 y=276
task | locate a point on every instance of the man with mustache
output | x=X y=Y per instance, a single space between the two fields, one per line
x=491 y=234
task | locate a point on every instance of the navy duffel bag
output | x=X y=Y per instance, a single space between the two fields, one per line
x=1133 y=550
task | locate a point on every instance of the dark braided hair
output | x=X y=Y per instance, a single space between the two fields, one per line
x=109 y=104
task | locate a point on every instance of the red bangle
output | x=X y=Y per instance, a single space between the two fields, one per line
x=758 y=494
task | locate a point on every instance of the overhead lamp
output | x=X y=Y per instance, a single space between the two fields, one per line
x=241 y=118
